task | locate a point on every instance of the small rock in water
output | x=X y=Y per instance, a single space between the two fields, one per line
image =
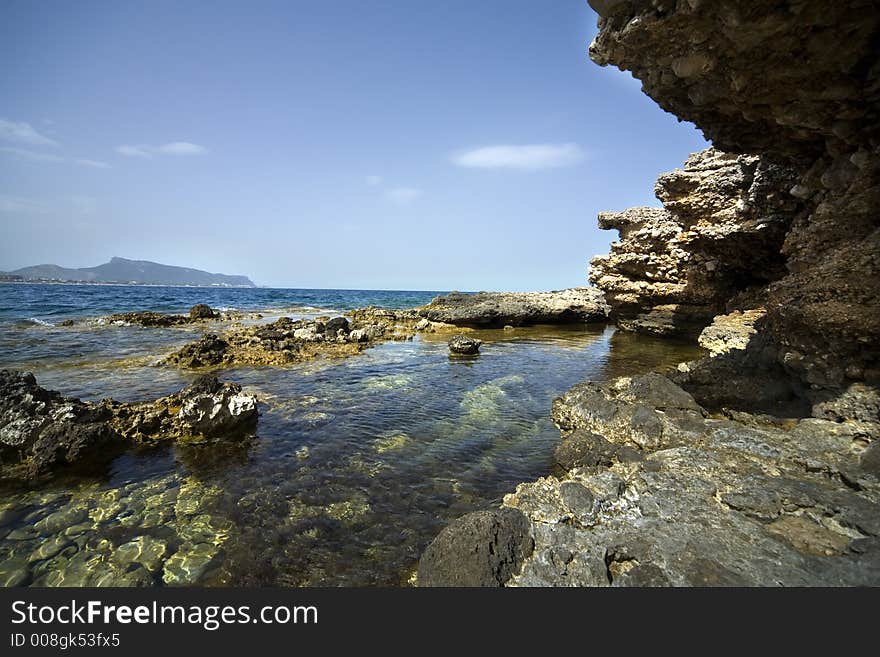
x=461 y=344
x=302 y=453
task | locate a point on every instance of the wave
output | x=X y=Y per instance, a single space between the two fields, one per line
x=40 y=322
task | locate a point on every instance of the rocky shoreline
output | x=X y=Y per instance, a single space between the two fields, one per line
x=756 y=465
x=43 y=432
x=286 y=341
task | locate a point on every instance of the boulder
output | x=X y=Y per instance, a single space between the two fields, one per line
x=462 y=344
x=41 y=430
x=483 y=548
x=201 y=311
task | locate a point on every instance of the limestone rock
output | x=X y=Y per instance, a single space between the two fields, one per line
x=495 y=309
x=795 y=85
x=720 y=231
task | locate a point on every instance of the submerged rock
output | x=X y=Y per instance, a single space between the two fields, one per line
x=41 y=431
x=495 y=309
x=461 y=344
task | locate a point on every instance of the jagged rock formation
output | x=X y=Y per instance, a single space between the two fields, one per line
x=655 y=492
x=720 y=232
x=42 y=431
x=496 y=309
x=796 y=83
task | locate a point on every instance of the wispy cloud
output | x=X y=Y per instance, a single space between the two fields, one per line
x=32 y=156
x=96 y=164
x=172 y=148
x=23 y=133
x=38 y=156
x=18 y=205
x=134 y=151
x=403 y=195
x=527 y=157
x=181 y=148
x=373 y=180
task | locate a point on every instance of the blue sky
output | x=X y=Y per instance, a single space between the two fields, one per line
x=399 y=144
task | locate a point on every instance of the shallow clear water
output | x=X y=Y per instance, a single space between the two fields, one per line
x=357 y=464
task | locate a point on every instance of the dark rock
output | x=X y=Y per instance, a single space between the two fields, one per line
x=584 y=449
x=202 y=311
x=209 y=350
x=148 y=319
x=577 y=498
x=336 y=324
x=41 y=430
x=461 y=344
x=870 y=459
x=480 y=549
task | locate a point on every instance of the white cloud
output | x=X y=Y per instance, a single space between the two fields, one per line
x=373 y=180
x=23 y=133
x=181 y=148
x=529 y=157
x=172 y=148
x=134 y=151
x=32 y=156
x=403 y=195
x=92 y=163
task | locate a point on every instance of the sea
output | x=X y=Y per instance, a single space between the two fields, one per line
x=356 y=465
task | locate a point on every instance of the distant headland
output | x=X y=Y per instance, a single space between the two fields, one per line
x=124 y=271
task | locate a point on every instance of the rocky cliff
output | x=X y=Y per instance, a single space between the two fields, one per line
x=720 y=231
x=792 y=88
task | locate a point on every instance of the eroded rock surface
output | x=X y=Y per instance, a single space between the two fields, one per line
x=720 y=232
x=497 y=309
x=286 y=341
x=41 y=430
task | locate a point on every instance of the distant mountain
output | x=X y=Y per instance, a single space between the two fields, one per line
x=138 y=272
